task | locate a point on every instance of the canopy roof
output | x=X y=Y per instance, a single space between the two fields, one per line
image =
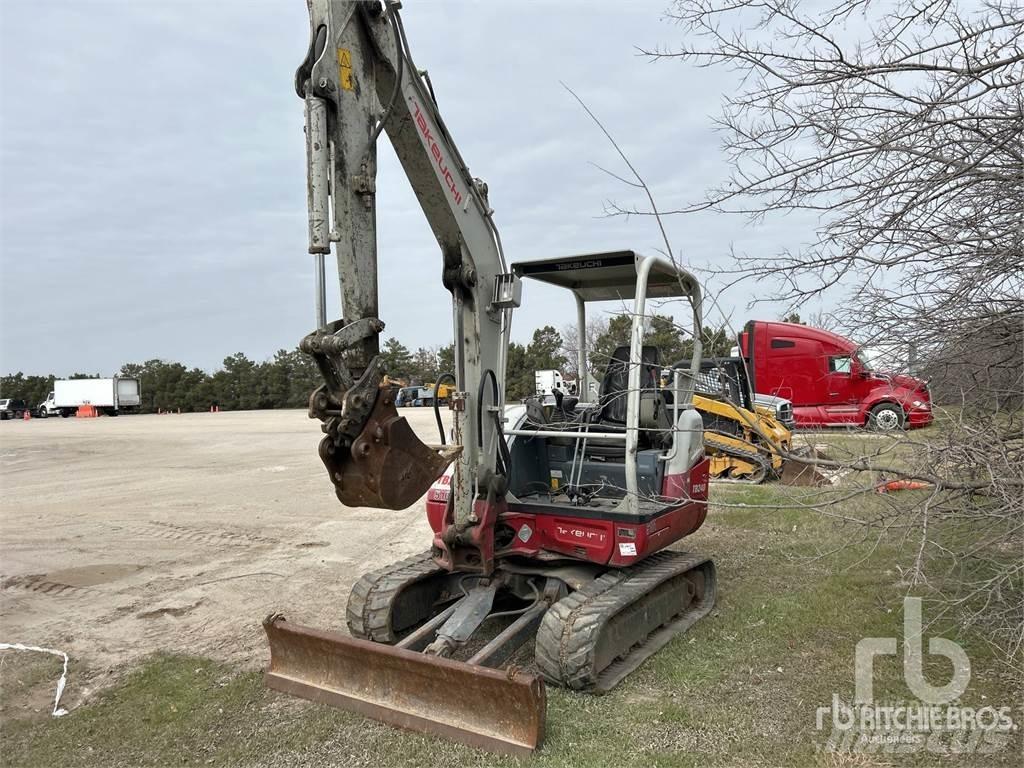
x=605 y=276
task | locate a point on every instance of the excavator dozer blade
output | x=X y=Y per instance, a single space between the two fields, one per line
x=498 y=710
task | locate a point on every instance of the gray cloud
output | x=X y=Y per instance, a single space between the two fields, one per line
x=153 y=193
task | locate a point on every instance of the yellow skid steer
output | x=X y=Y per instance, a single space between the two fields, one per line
x=746 y=442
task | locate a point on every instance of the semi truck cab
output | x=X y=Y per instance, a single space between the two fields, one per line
x=829 y=379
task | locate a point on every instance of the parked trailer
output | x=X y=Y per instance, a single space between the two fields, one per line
x=107 y=395
x=423 y=395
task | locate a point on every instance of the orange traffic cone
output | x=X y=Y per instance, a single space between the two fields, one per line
x=86 y=412
x=902 y=485
x=26 y=416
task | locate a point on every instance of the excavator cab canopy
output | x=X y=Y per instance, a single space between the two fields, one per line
x=628 y=397
x=609 y=276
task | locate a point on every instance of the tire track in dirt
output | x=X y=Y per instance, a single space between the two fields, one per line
x=194 y=535
x=40 y=584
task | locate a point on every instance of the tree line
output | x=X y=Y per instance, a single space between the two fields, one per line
x=288 y=378
x=550 y=349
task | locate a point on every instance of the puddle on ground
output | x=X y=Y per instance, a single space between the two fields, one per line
x=91 y=575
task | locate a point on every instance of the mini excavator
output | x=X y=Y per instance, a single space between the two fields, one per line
x=550 y=561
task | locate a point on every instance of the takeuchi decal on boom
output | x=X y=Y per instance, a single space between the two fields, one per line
x=435 y=150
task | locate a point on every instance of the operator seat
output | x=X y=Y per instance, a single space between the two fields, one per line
x=614 y=391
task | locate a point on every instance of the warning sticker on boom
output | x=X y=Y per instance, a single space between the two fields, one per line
x=345 y=68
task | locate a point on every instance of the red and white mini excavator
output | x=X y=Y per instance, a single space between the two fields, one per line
x=552 y=524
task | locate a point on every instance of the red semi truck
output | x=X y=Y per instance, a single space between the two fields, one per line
x=829 y=380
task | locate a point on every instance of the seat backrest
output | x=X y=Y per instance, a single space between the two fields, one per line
x=615 y=384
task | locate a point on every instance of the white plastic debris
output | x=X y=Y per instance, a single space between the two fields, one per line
x=58 y=710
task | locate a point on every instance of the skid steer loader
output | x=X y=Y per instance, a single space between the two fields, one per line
x=550 y=534
x=746 y=441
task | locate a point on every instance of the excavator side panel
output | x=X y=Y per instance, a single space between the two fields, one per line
x=499 y=710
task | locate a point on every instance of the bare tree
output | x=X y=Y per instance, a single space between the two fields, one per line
x=901 y=124
x=596 y=327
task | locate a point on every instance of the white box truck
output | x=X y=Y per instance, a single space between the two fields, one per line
x=545 y=382
x=106 y=395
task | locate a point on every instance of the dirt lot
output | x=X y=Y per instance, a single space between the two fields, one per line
x=121 y=536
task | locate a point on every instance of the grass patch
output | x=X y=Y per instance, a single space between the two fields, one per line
x=28 y=683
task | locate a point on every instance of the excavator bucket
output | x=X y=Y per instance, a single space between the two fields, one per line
x=387 y=466
x=498 y=710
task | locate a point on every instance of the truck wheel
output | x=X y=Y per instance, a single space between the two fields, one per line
x=42 y=413
x=886 y=417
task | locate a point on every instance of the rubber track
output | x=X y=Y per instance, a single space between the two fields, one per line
x=368 y=613
x=756 y=457
x=568 y=635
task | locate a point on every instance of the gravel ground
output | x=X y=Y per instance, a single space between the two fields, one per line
x=123 y=536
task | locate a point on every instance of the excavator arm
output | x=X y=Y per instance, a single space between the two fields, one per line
x=359 y=81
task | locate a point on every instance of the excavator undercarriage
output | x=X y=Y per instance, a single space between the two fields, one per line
x=410 y=658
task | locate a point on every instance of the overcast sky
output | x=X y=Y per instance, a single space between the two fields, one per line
x=153 y=171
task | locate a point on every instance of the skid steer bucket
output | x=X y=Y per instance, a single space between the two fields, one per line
x=803 y=473
x=499 y=710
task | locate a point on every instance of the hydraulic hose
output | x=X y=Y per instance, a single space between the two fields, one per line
x=488 y=374
x=437 y=409
x=504 y=457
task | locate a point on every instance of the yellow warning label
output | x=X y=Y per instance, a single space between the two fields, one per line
x=345 y=68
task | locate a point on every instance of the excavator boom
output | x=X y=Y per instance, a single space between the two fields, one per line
x=358 y=82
